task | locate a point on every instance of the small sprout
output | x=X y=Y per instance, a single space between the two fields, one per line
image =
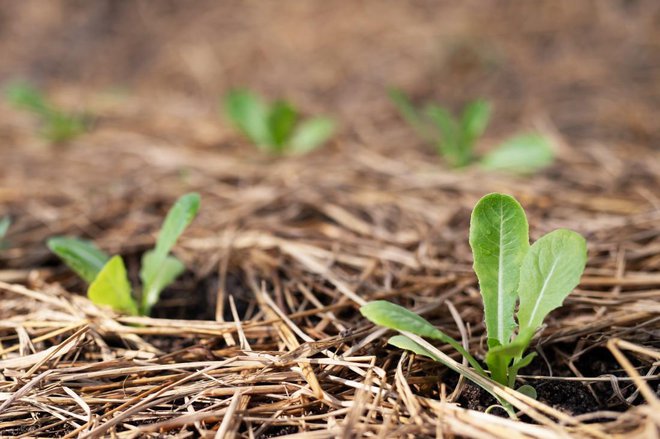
x=5 y=222
x=107 y=278
x=57 y=126
x=455 y=137
x=537 y=277
x=276 y=128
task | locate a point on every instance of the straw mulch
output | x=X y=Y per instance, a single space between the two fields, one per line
x=262 y=337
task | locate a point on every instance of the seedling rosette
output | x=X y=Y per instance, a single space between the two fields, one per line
x=107 y=276
x=538 y=278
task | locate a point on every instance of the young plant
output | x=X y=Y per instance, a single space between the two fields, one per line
x=275 y=127
x=57 y=126
x=455 y=137
x=107 y=277
x=537 y=277
x=4 y=226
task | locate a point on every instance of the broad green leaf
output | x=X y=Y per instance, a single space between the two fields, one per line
x=403 y=342
x=165 y=274
x=521 y=154
x=281 y=121
x=111 y=288
x=527 y=390
x=83 y=257
x=473 y=124
x=449 y=144
x=4 y=226
x=155 y=265
x=410 y=114
x=550 y=271
x=499 y=240
x=393 y=316
x=247 y=111
x=311 y=134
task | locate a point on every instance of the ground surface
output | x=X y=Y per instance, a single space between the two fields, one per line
x=261 y=337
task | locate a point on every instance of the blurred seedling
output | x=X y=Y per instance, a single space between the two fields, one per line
x=455 y=137
x=107 y=276
x=276 y=127
x=57 y=126
x=538 y=277
x=5 y=222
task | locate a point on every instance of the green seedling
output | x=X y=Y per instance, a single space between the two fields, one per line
x=537 y=277
x=107 y=277
x=57 y=126
x=455 y=137
x=276 y=127
x=4 y=226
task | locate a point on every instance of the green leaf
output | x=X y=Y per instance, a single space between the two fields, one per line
x=473 y=124
x=410 y=114
x=281 y=121
x=156 y=265
x=403 y=342
x=550 y=271
x=475 y=120
x=178 y=218
x=165 y=274
x=83 y=257
x=390 y=315
x=449 y=145
x=311 y=134
x=25 y=96
x=5 y=222
x=111 y=288
x=523 y=154
x=60 y=127
x=499 y=240
x=527 y=390
x=250 y=114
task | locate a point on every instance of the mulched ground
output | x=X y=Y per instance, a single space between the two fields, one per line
x=261 y=337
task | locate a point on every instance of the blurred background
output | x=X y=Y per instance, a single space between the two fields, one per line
x=590 y=68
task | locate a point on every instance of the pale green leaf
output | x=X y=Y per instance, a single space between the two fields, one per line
x=473 y=124
x=393 y=316
x=410 y=114
x=250 y=114
x=527 y=390
x=83 y=257
x=4 y=226
x=499 y=240
x=25 y=96
x=165 y=274
x=449 y=145
x=550 y=271
x=111 y=288
x=311 y=134
x=403 y=342
x=521 y=154
x=178 y=218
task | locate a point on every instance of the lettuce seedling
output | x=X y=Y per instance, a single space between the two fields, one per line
x=5 y=222
x=455 y=137
x=56 y=125
x=107 y=277
x=275 y=128
x=537 y=277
